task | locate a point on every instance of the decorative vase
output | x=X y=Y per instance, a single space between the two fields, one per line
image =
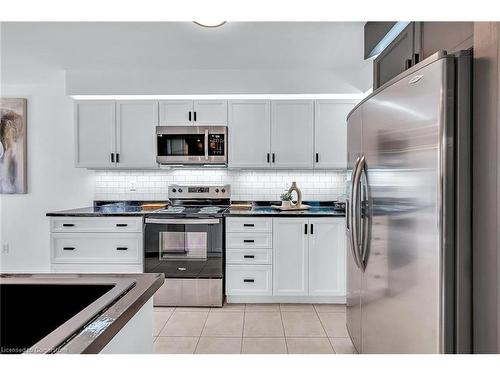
x=286 y=204
x=295 y=188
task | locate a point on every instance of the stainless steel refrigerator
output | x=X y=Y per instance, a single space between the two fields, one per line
x=408 y=212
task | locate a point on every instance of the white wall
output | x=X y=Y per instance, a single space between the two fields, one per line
x=215 y=81
x=53 y=182
x=245 y=185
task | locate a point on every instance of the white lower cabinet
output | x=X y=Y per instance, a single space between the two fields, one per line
x=327 y=266
x=249 y=280
x=305 y=260
x=290 y=251
x=96 y=244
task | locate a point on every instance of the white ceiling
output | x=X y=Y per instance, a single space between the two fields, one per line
x=333 y=46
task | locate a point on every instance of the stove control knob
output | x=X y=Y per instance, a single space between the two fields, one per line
x=174 y=190
x=180 y=190
x=223 y=190
x=216 y=190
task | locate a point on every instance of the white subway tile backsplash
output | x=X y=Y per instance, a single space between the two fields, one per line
x=245 y=185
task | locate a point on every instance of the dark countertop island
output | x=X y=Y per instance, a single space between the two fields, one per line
x=69 y=313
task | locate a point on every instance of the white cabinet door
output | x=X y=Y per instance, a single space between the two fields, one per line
x=292 y=133
x=330 y=133
x=249 y=133
x=176 y=112
x=327 y=257
x=94 y=133
x=136 y=133
x=210 y=112
x=290 y=257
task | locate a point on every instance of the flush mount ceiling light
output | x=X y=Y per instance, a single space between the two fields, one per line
x=210 y=24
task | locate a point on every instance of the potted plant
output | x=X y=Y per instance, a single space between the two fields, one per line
x=286 y=199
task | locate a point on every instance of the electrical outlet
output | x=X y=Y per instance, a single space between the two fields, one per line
x=132 y=186
x=5 y=248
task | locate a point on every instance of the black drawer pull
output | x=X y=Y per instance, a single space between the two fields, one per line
x=248 y=280
x=189 y=115
x=249 y=241
x=68 y=225
x=305 y=228
x=248 y=225
x=312 y=228
x=68 y=248
x=249 y=256
x=121 y=225
x=194 y=116
x=317 y=158
x=122 y=248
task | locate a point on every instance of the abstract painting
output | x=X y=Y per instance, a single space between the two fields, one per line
x=13 y=146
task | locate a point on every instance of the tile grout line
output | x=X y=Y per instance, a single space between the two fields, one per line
x=164 y=324
x=243 y=328
x=199 y=336
x=283 y=326
x=322 y=326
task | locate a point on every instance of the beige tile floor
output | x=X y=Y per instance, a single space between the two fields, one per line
x=252 y=329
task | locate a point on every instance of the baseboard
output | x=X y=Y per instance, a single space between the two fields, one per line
x=286 y=299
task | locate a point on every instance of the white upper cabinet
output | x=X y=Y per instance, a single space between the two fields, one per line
x=330 y=133
x=210 y=112
x=327 y=257
x=193 y=112
x=290 y=257
x=176 y=112
x=135 y=133
x=292 y=125
x=249 y=124
x=95 y=133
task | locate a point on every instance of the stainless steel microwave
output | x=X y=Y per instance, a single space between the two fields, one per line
x=191 y=145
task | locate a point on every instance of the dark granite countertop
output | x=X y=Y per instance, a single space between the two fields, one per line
x=260 y=208
x=92 y=328
x=109 y=208
x=317 y=209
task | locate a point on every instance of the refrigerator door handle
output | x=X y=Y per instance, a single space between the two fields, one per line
x=351 y=216
x=365 y=212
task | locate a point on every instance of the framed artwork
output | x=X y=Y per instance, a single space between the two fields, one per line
x=13 y=161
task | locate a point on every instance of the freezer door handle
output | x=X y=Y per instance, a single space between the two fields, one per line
x=351 y=215
x=365 y=212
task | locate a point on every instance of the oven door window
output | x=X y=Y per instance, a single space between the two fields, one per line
x=180 y=244
x=181 y=144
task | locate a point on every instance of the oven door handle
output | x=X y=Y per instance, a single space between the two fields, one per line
x=182 y=221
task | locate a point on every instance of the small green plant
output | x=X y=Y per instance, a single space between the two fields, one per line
x=286 y=196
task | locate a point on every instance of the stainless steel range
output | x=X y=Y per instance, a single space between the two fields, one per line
x=185 y=242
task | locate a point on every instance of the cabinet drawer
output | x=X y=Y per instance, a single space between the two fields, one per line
x=249 y=280
x=96 y=224
x=96 y=248
x=249 y=224
x=249 y=240
x=249 y=256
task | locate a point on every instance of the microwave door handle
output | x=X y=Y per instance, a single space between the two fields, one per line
x=206 y=144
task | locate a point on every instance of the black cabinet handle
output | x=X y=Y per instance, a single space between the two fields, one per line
x=68 y=225
x=305 y=228
x=248 y=225
x=68 y=248
x=121 y=225
x=195 y=116
x=189 y=115
x=122 y=248
x=407 y=64
x=312 y=228
x=117 y=158
x=274 y=158
x=249 y=241
x=268 y=157
x=317 y=158
x=248 y=280
x=248 y=256
x=112 y=157
x=416 y=58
